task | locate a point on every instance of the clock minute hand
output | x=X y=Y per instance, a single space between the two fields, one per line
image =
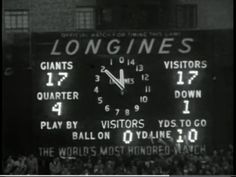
x=114 y=79
x=122 y=77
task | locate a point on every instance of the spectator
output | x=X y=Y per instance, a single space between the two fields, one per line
x=55 y=166
x=99 y=167
x=21 y=166
x=32 y=164
x=10 y=164
x=109 y=168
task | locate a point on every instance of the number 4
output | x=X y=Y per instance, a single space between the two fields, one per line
x=57 y=108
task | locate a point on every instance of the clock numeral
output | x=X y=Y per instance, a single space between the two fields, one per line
x=139 y=68
x=111 y=61
x=143 y=99
x=121 y=60
x=107 y=108
x=100 y=100
x=96 y=90
x=145 y=77
x=147 y=89
x=136 y=108
x=130 y=62
x=97 y=78
x=102 y=69
x=117 y=111
x=127 y=112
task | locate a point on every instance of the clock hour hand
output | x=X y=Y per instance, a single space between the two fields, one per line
x=114 y=79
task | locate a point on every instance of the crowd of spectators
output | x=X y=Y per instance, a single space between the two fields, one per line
x=218 y=162
x=21 y=165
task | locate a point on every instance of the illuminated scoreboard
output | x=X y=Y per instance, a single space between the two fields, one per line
x=127 y=92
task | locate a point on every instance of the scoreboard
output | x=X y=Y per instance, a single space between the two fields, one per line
x=126 y=92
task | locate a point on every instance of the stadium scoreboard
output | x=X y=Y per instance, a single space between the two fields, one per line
x=126 y=92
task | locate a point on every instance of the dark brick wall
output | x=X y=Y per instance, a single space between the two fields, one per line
x=50 y=15
x=212 y=14
x=56 y=15
x=16 y=4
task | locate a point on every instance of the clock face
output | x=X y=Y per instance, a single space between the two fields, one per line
x=122 y=86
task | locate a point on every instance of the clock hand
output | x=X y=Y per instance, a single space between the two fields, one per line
x=122 y=79
x=114 y=79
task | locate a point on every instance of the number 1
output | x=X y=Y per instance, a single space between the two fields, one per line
x=180 y=81
x=49 y=80
x=186 y=107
